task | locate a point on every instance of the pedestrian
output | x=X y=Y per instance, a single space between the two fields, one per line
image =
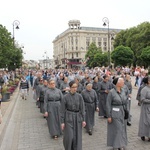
x=116 y=106
x=0 y=109
x=103 y=88
x=138 y=96
x=91 y=105
x=144 y=123
x=24 y=87
x=129 y=85
x=79 y=85
x=39 y=86
x=64 y=87
x=72 y=118
x=52 y=101
x=41 y=93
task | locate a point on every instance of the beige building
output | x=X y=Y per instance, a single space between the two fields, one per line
x=71 y=46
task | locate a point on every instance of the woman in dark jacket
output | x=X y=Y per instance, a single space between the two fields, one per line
x=72 y=118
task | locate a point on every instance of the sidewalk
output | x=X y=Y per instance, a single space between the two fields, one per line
x=6 y=109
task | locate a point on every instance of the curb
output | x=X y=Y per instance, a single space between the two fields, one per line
x=8 y=114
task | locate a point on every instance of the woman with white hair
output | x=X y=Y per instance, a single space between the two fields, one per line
x=116 y=105
x=91 y=105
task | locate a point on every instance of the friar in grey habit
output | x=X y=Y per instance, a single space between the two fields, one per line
x=64 y=87
x=115 y=105
x=103 y=88
x=144 y=123
x=40 y=94
x=91 y=105
x=52 y=104
x=72 y=118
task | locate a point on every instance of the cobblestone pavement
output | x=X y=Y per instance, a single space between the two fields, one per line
x=27 y=130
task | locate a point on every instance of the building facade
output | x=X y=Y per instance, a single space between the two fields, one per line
x=71 y=46
x=46 y=64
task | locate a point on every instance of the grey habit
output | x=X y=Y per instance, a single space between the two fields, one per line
x=72 y=115
x=63 y=86
x=116 y=130
x=144 y=124
x=79 y=88
x=37 y=94
x=129 y=85
x=102 y=86
x=41 y=92
x=91 y=103
x=52 y=103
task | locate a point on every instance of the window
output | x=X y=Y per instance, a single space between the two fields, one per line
x=76 y=41
x=99 y=44
x=76 y=47
x=93 y=39
x=72 y=48
x=105 y=48
x=104 y=43
x=105 y=39
x=76 y=54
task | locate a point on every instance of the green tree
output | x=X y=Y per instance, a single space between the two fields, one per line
x=95 y=57
x=122 y=56
x=145 y=56
x=136 y=38
x=101 y=59
x=9 y=54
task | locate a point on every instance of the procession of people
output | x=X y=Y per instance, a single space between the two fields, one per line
x=69 y=99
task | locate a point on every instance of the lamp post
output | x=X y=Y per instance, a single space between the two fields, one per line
x=106 y=23
x=16 y=24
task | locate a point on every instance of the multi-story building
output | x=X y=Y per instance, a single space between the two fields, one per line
x=46 y=64
x=71 y=46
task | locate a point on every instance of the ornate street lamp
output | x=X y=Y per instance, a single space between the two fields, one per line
x=16 y=24
x=106 y=23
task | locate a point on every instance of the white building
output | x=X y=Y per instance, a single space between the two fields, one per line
x=71 y=46
x=46 y=64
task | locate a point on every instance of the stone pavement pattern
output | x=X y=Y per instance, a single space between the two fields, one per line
x=27 y=130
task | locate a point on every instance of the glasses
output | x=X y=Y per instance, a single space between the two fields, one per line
x=74 y=87
x=52 y=83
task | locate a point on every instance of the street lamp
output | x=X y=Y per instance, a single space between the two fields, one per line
x=15 y=26
x=106 y=23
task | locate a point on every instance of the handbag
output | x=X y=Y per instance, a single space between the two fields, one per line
x=126 y=113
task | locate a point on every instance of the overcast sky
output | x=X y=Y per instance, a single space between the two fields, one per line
x=42 y=20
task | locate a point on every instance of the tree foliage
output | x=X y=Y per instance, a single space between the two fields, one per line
x=122 y=56
x=136 y=38
x=10 y=55
x=145 y=56
x=95 y=57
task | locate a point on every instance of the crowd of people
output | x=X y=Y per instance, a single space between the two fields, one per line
x=69 y=98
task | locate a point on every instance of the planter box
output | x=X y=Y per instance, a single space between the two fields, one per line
x=5 y=97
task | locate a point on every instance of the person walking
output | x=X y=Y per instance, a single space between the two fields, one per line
x=116 y=105
x=129 y=85
x=72 y=118
x=91 y=105
x=64 y=87
x=0 y=109
x=24 y=87
x=52 y=103
x=41 y=93
x=144 y=123
x=103 y=88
